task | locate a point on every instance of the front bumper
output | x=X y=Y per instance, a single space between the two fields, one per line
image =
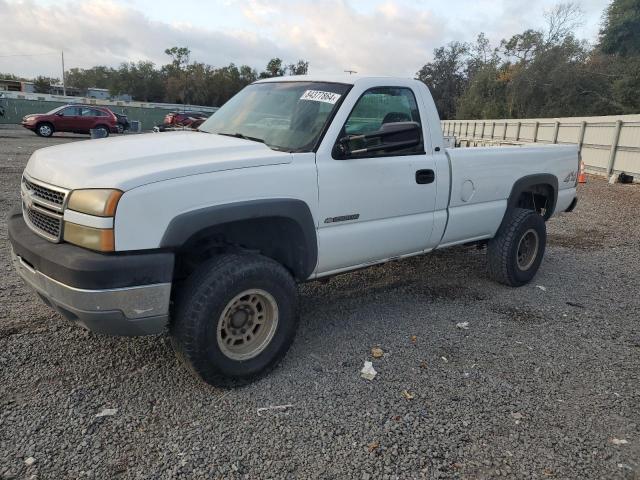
x=117 y=294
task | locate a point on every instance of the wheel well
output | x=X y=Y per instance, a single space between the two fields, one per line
x=279 y=238
x=44 y=122
x=539 y=197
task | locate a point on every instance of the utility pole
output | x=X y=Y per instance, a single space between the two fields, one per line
x=64 y=86
x=350 y=72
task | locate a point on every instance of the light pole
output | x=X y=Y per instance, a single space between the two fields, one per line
x=64 y=87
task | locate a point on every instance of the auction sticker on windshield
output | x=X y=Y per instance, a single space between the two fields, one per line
x=320 y=96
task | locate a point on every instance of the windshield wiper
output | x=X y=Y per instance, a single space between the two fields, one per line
x=244 y=137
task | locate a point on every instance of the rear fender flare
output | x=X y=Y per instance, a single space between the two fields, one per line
x=521 y=185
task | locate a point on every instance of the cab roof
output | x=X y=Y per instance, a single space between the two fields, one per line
x=344 y=78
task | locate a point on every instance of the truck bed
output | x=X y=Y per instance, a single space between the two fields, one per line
x=481 y=179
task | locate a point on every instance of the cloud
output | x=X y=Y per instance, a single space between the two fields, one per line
x=393 y=37
x=105 y=32
x=336 y=36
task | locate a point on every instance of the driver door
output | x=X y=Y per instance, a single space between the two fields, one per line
x=375 y=205
x=67 y=119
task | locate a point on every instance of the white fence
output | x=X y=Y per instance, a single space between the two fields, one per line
x=608 y=144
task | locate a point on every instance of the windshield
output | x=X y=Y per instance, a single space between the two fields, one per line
x=288 y=116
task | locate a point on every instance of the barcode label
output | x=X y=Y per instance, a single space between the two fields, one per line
x=320 y=96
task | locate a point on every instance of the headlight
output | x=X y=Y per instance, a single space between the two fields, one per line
x=100 y=239
x=101 y=202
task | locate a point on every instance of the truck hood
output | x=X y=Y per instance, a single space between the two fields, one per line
x=130 y=161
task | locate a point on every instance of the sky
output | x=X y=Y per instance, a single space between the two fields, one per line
x=390 y=37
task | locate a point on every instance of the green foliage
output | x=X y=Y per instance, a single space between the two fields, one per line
x=11 y=76
x=445 y=76
x=620 y=33
x=538 y=73
x=180 y=81
x=43 y=84
x=274 y=69
x=300 y=68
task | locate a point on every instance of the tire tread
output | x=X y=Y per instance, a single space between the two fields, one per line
x=499 y=248
x=191 y=303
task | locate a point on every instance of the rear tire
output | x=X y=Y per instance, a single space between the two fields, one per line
x=103 y=129
x=235 y=318
x=44 y=129
x=515 y=253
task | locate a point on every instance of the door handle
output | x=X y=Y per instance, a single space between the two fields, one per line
x=425 y=176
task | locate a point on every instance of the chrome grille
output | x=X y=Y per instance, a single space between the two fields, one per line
x=55 y=197
x=44 y=222
x=42 y=207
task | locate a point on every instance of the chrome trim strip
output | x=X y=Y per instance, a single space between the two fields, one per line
x=46 y=185
x=88 y=220
x=36 y=207
x=134 y=302
x=34 y=198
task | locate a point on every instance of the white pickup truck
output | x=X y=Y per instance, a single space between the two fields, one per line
x=206 y=233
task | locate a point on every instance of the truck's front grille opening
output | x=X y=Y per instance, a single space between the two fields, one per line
x=50 y=225
x=47 y=194
x=42 y=208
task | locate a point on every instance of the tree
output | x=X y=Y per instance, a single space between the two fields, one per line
x=179 y=56
x=177 y=74
x=542 y=72
x=274 y=69
x=99 y=77
x=140 y=80
x=562 y=20
x=445 y=77
x=620 y=33
x=300 y=68
x=43 y=84
x=523 y=46
x=248 y=75
x=11 y=76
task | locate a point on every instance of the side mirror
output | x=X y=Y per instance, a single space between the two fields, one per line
x=391 y=136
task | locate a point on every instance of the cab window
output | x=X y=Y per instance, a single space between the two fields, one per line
x=375 y=111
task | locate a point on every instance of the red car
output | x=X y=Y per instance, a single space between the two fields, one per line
x=72 y=118
x=184 y=119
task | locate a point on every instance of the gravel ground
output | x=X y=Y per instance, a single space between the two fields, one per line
x=544 y=383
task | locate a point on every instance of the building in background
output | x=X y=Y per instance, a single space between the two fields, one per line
x=8 y=85
x=59 y=90
x=98 y=93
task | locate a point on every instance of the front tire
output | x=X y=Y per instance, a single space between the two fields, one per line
x=235 y=318
x=44 y=129
x=515 y=253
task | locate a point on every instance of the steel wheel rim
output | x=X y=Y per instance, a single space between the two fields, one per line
x=527 y=249
x=247 y=324
x=45 y=130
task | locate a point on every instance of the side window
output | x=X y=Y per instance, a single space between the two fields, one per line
x=70 y=112
x=375 y=112
x=89 y=112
